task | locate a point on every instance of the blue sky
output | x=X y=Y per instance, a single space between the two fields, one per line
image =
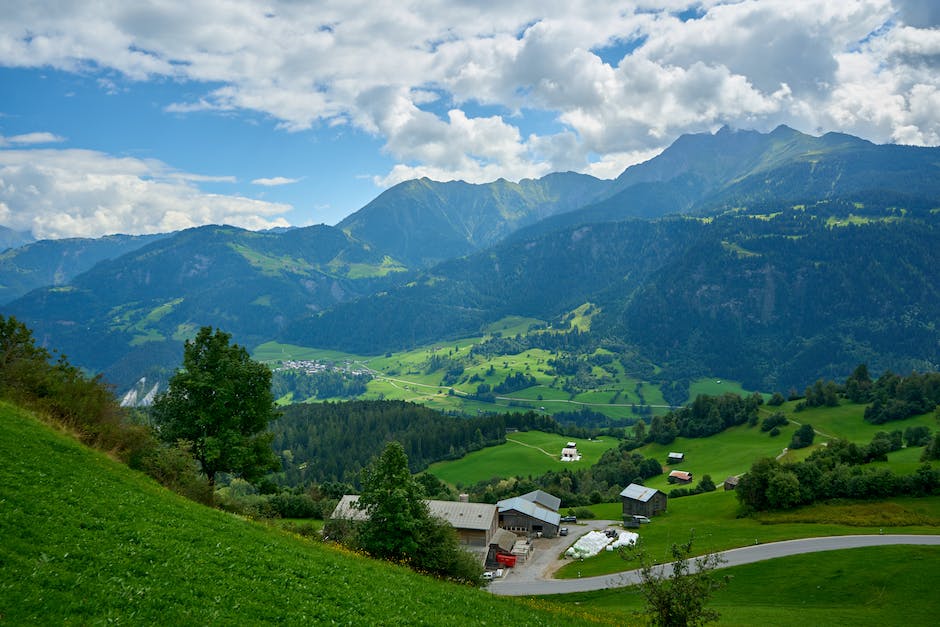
x=134 y=117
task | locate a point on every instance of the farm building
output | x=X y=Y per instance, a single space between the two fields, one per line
x=501 y=543
x=570 y=453
x=680 y=476
x=476 y=523
x=642 y=501
x=346 y=509
x=731 y=483
x=675 y=458
x=523 y=516
x=546 y=500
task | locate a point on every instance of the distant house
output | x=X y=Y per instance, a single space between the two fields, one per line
x=680 y=476
x=527 y=517
x=731 y=483
x=546 y=500
x=570 y=453
x=642 y=501
x=675 y=458
x=475 y=523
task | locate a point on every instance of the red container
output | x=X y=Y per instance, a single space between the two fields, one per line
x=507 y=560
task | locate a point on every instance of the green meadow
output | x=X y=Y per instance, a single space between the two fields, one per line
x=88 y=541
x=728 y=453
x=841 y=588
x=715 y=387
x=846 y=421
x=534 y=452
x=412 y=376
x=712 y=519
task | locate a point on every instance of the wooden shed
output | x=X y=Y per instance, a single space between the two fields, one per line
x=680 y=476
x=640 y=500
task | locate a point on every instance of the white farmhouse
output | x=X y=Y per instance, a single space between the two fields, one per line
x=570 y=453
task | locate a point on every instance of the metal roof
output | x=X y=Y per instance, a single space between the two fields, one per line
x=638 y=492
x=504 y=539
x=346 y=509
x=530 y=508
x=477 y=516
x=544 y=499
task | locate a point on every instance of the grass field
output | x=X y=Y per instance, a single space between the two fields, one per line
x=715 y=387
x=524 y=453
x=846 y=421
x=85 y=540
x=408 y=376
x=728 y=453
x=712 y=519
x=841 y=589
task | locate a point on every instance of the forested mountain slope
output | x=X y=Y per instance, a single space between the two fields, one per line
x=774 y=310
x=774 y=298
x=775 y=264
x=421 y=222
x=129 y=315
x=708 y=173
x=542 y=277
x=57 y=262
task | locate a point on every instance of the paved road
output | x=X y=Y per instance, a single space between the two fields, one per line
x=734 y=557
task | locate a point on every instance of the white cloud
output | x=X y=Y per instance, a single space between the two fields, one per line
x=30 y=139
x=274 y=181
x=862 y=66
x=83 y=193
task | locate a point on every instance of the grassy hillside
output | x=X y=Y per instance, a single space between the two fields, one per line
x=532 y=452
x=420 y=376
x=842 y=589
x=728 y=453
x=88 y=541
x=713 y=518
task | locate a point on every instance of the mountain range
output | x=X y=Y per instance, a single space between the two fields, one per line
x=774 y=257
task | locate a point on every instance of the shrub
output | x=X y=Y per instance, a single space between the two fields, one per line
x=775 y=420
x=173 y=467
x=287 y=505
x=803 y=437
x=583 y=512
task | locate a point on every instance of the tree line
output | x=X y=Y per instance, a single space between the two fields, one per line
x=840 y=470
x=601 y=483
x=705 y=416
x=334 y=441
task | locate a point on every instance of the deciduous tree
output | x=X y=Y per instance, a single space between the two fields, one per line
x=393 y=501
x=220 y=402
x=677 y=594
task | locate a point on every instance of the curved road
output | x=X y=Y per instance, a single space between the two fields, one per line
x=733 y=557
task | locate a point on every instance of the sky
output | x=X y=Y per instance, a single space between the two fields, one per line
x=145 y=117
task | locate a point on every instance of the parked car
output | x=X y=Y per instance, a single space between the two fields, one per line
x=488 y=575
x=569 y=519
x=563 y=531
x=641 y=519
